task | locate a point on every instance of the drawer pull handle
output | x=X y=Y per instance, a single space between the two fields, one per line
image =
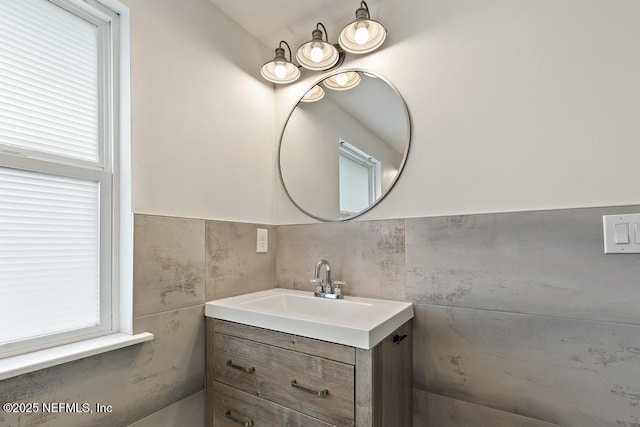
x=238 y=420
x=319 y=393
x=241 y=368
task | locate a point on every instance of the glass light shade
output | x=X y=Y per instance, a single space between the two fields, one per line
x=280 y=70
x=342 y=81
x=363 y=35
x=314 y=94
x=317 y=54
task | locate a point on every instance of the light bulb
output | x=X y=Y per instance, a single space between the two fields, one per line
x=362 y=35
x=280 y=70
x=316 y=54
x=342 y=79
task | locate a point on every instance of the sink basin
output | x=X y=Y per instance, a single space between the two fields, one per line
x=353 y=321
x=306 y=306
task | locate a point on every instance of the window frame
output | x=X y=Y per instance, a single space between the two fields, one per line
x=373 y=166
x=105 y=171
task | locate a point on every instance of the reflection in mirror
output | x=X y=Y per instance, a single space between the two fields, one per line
x=360 y=177
x=341 y=153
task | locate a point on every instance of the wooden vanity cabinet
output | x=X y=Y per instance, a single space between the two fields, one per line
x=260 y=377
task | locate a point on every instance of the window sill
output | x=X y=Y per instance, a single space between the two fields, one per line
x=24 y=363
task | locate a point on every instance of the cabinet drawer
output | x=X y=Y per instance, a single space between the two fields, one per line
x=233 y=408
x=327 y=350
x=313 y=385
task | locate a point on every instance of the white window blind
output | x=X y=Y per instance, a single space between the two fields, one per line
x=57 y=203
x=48 y=80
x=49 y=254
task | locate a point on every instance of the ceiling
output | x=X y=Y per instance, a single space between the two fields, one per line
x=292 y=20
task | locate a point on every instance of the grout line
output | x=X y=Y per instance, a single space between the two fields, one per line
x=169 y=310
x=206 y=260
x=467 y=402
x=579 y=319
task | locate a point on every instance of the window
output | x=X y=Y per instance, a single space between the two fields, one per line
x=59 y=163
x=360 y=179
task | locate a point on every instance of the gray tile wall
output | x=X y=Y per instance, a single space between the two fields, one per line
x=370 y=255
x=169 y=262
x=437 y=410
x=232 y=264
x=186 y=412
x=178 y=264
x=521 y=320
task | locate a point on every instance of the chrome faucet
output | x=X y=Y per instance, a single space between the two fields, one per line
x=328 y=291
x=319 y=265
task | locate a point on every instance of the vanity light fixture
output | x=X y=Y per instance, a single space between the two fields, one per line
x=280 y=70
x=318 y=54
x=314 y=94
x=363 y=35
x=342 y=81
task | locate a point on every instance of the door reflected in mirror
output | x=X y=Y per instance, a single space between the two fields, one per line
x=341 y=153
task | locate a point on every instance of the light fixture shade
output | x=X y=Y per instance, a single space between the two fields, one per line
x=314 y=94
x=280 y=70
x=363 y=35
x=318 y=54
x=271 y=71
x=342 y=81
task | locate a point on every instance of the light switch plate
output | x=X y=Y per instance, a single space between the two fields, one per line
x=262 y=241
x=621 y=234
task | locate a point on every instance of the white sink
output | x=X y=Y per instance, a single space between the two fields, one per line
x=353 y=321
x=305 y=306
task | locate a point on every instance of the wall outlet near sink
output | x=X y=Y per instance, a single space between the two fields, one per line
x=262 y=240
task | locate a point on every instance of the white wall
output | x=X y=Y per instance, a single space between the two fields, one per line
x=202 y=119
x=515 y=105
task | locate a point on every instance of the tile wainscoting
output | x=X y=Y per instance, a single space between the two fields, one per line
x=521 y=319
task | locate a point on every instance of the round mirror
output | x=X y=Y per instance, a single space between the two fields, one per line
x=344 y=145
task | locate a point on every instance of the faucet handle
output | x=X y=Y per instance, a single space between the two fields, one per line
x=337 y=286
x=318 y=284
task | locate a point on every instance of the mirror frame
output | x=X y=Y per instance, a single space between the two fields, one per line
x=402 y=163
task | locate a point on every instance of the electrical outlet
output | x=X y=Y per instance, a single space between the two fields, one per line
x=262 y=241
